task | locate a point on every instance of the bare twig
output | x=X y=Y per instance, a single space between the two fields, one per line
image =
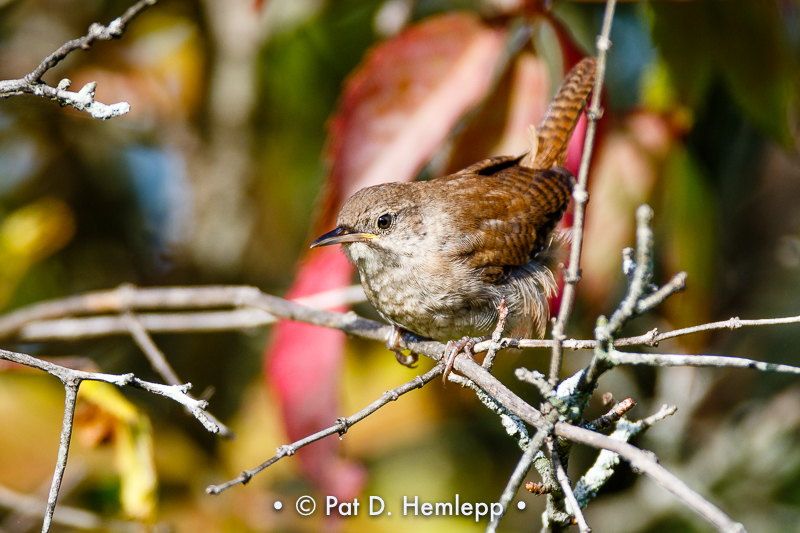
x=521 y=470
x=497 y=336
x=612 y=416
x=72 y=379
x=71 y=396
x=566 y=489
x=340 y=427
x=159 y=362
x=67 y=329
x=176 y=393
x=643 y=462
x=603 y=468
x=639 y=288
x=581 y=198
x=651 y=338
x=83 y=100
x=564 y=404
x=33 y=322
x=145 y=343
x=717 y=361
x=640 y=281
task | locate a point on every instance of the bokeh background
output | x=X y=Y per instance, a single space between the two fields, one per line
x=239 y=122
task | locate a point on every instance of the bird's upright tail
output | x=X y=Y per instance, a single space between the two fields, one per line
x=549 y=144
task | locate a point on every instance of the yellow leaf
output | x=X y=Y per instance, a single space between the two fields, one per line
x=29 y=235
x=132 y=438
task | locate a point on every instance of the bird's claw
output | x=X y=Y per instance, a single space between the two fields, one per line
x=409 y=360
x=393 y=343
x=453 y=348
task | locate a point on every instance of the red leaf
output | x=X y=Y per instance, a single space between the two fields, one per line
x=401 y=103
x=396 y=110
x=303 y=371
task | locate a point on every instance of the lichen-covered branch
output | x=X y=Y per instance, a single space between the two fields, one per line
x=83 y=100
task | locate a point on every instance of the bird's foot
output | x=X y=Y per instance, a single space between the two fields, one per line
x=393 y=343
x=453 y=348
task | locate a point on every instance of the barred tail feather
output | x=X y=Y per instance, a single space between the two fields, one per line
x=562 y=116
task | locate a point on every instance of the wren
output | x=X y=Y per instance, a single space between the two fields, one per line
x=438 y=257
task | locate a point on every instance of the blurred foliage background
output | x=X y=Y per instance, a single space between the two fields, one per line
x=215 y=177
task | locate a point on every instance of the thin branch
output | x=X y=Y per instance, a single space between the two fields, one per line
x=520 y=471
x=640 y=281
x=717 y=361
x=145 y=343
x=603 y=468
x=613 y=415
x=70 y=398
x=642 y=462
x=566 y=489
x=31 y=323
x=71 y=329
x=651 y=338
x=563 y=403
x=497 y=335
x=581 y=198
x=731 y=323
x=640 y=273
x=130 y=298
x=340 y=427
x=176 y=393
x=159 y=362
x=68 y=329
x=83 y=100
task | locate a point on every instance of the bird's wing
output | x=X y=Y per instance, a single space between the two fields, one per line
x=503 y=220
x=489 y=166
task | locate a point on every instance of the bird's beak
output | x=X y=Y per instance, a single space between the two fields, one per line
x=341 y=236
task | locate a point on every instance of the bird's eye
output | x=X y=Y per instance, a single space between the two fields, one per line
x=384 y=221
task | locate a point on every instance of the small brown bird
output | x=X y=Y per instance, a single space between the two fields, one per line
x=438 y=257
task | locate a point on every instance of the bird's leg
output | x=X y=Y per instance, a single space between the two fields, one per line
x=393 y=343
x=453 y=348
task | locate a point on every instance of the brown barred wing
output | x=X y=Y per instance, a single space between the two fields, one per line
x=508 y=218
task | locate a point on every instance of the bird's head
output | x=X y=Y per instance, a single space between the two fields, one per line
x=381 y=222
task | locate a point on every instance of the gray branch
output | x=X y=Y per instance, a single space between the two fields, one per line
x=340 y=427
x=522 y=469
x=581 y=197
x=72 y=379
x=160 y=364
x=566 y=489
x=83 y=100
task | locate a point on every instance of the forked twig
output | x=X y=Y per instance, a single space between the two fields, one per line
x=83 y=100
